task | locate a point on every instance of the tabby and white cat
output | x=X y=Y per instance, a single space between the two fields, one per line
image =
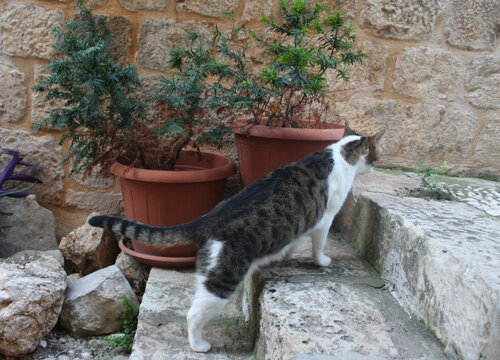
x=264 y=222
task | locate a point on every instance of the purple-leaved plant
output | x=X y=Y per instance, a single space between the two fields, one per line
x=8 y=174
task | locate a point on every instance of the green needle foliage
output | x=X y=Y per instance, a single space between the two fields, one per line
x=306 y=45
x=96 y=91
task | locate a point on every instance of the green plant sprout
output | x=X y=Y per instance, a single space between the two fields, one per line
x=428 y=188
x=129 y=323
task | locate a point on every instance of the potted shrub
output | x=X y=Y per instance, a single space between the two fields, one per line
x=287 y=97
x=105 y=125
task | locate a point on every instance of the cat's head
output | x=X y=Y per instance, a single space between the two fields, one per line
x=360 y=151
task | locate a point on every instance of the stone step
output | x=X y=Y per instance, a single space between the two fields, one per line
x=300 y=310
x=343 y=311
x=162 y=328
x=442 y=259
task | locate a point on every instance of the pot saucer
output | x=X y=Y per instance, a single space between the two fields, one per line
x=160 y=261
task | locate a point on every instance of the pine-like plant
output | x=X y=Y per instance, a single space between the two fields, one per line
x=305 y=46
x=101 y=116
x=96 y=91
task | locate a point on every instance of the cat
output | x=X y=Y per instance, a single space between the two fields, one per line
x=264 y=222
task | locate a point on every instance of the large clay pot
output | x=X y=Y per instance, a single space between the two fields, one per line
x=164 y=198
x=264 y=148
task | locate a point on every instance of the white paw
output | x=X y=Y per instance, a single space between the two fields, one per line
x=201 y=346
x=323 y=260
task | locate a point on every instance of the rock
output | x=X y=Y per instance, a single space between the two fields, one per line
x=473 y=25
x=40 y=110
x=95 y=179
x=434 y=129
x=212 y=8
x=31 y=298
x=162 y=326
x=253 y=10
x=89 y=248
x=40 y=150
x=315 y=319
x=486 y=151
x=401 y=19
x=482 y=84
x=111 y=204
x=136 y=273
x=25 y=225
x=441 y=258
x=25 y=30
x=55 y=254
x=120 y=27
x=93 y=304
x=12 y=92
x=138 y=5
x=158 y=35
x=368 y=76
x=429 y=73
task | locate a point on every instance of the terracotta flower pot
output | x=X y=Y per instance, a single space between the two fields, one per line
x=264 y=148
x=165 y=198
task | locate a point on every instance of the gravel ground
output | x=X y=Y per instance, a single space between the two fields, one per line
x=58 y=345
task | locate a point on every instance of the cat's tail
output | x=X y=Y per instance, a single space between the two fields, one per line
x=161 y=236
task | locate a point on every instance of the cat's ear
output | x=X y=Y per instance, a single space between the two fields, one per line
x=348 y=131
x=375 y=138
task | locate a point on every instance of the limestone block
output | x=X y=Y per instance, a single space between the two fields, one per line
x=442 y=259
x=414 y=132
x=120 y=27
x=368 y=76
x=110 y=204
x=482 y=83
x=473 y=25
x=136 y=273
x=31 y=298
x=348 y=7
x=55 y=254
x=25 y=225
x=401 y=19
x=93 y=304
x=40 y=110
x=158 y=35
x=138 y=5
x=40 y=150
x=25 y=30
x=429 y=73
x=12 y=92
x=88 y=249
x=487 y=149
x=212 y=8
x=253 y=10
x=95 y=179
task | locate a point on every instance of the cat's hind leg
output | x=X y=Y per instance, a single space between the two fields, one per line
x=205 y=307
x=293 y=246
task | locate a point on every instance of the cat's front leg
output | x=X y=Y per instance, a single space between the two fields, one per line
x=319 y=237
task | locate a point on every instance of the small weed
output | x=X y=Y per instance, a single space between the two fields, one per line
x=129 y=322
x=428 y=188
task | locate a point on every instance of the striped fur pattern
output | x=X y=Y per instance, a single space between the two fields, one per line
x=262 y=223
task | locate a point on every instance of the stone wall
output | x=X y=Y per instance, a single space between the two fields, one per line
x=432 y=81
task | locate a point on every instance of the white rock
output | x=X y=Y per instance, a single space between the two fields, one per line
x=18 y=234
x=93 y=304
x=31 y=298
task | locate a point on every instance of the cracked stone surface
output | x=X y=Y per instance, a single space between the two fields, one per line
x=442 y=259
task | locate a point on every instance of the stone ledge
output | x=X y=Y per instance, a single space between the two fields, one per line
x=441 y=258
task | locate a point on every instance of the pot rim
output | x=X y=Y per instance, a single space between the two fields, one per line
x=223 y=171
x=273 y=132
